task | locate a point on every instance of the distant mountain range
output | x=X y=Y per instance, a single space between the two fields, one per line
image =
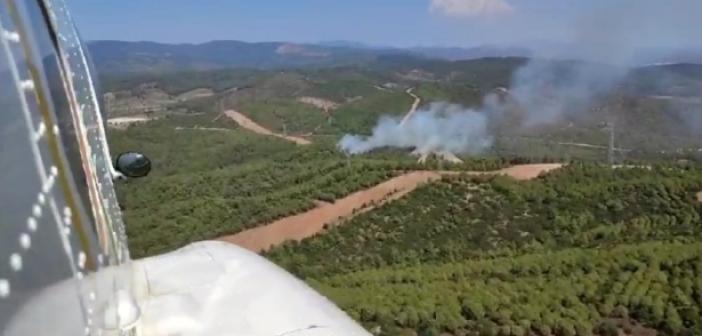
x=121 y=56
x=459 y=54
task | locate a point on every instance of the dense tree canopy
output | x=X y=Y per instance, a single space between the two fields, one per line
x=585 y=250
x=207 y=183
x=582 y=248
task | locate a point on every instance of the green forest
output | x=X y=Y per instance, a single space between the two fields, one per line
x=581 y=251
x=588 y=249
x=566 y=292
x=206 y=184
x=651 y=123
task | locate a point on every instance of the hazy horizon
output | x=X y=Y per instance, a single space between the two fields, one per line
x=399 y=23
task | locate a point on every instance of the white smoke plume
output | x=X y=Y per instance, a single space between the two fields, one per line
x=440 y=127
x=549 y=90
x=601 y=47
x=566 y=81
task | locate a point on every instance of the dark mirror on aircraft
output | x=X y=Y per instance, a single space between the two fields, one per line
x=133 y=164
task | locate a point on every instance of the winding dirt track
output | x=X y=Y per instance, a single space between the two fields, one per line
x=251 y=125
x=414 y=107
x=310 y=223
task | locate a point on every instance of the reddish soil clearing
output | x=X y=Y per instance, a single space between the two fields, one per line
x=249 y=124
x=529 y=171
x=310 y=223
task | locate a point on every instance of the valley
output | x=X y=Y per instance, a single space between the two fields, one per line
x=533 y=234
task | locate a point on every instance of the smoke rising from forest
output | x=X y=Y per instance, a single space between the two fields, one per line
x=437 y=128
x=546 y=90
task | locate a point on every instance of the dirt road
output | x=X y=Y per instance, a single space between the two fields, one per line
x=310 y=223
x=249 y=124
x=414 y=107
x=529 y=171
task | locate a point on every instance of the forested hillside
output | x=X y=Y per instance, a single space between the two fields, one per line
x=121 y=56
x=569 y=253
x=569 y=292
x=656 y=109
x=589 y=249
x=209 y=183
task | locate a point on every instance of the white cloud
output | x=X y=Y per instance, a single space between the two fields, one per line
x=471 y=8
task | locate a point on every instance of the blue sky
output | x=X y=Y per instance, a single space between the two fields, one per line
x=671 y=23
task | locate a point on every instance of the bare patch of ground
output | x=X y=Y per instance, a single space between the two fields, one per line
x=418 y=75
x=320 y=103
x=529 y=171
x=443 y=155
x=148 y=98
x=353 y=99
x=124 y=122
x=249 y=124
x=312 y=222
x=699 y=197
x=194 y=94
x=628 y=327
